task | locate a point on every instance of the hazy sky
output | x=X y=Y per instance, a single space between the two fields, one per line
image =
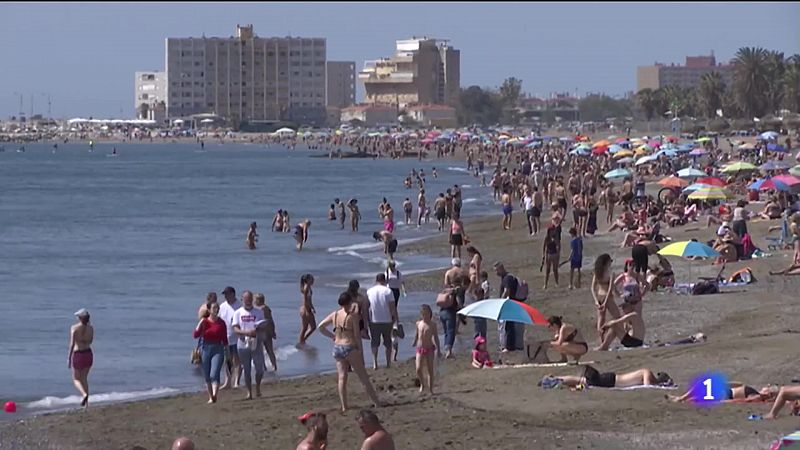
x=84 y=55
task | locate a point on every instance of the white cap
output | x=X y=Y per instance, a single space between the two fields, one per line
x=456 y=262
x=82 y=312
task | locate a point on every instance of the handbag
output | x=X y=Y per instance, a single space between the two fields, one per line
x=445 y=299
x=197 y=356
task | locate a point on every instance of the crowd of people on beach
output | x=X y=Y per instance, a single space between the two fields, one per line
x=551 y=177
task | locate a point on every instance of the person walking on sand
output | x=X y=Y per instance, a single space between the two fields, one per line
x=301 y=233
x=551 y=249
x=246 y=322
x=382 y=317
x=440 y=210
x=347 y=351
x=426 y=341
x=508 y=209
x=307 y=320
x=575 y=259
x=458 y=236
x=376 y=437
x=252 y=236
x=214 y=335
x=81 y=358
x=226 y=312
x=267 y=332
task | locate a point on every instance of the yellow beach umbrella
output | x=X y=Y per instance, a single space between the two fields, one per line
x=709 y=193
x=738 y=167
x=623 y=154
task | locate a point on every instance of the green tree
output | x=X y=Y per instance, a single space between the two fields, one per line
x=510 y=91
x=750 y=80
x=595 y=108
x=479 y=106
x=648 y=101
x=791 y=84
x=710 y=94
x=678 y=100
x=776 y=67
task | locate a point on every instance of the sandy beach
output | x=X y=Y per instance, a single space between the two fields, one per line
x=752 y=337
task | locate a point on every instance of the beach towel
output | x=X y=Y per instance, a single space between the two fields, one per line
x=788 y=441
x=670 y=387
x=558 y=364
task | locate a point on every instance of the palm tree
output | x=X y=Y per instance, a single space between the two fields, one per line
x=791 y=84
x=677 y=100
x=750 y=80
x=646 y=98
x=710 y=93
x=776 y=67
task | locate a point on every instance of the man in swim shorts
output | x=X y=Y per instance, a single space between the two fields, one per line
x=505 y=199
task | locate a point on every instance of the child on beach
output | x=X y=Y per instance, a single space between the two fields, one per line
x=575 y=258
x=480 y=356
x=426 y=341
x=397 y=334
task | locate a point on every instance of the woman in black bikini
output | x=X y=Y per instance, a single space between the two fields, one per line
x=641 y=377
x=347 y=350
x=737 y=393
x=567 y=341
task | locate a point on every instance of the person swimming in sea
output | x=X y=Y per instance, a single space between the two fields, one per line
x=277 y=222
x=332 y=213
x=252 y=236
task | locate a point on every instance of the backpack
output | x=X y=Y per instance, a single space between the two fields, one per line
x=446 y=299
x=705 y=288
x=522 y=290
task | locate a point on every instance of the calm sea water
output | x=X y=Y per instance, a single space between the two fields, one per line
x=140 y=238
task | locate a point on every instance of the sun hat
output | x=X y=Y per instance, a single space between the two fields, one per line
x=82 y=312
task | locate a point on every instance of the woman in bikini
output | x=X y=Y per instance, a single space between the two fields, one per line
x=301 y=233
x=631 y=286
x=474 y=268
x=347 y=349
x=80 y=357
x=307 y=319
x=603 y=294
x=252 y=236
x=641 y=377
x=568 y=341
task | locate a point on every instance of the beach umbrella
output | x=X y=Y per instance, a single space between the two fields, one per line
x=673 y=181
x=696 y=186
x=641 y=151
x=777 y=148
x=772 y=183
x=768 y=135
x=738 y=167
x=614 y=148
x=708 y=193
x=690 y=172
x=579 y=152
x=790 y=180
x=713 y=181
x=603 y=143
x=795 y=171
x=504 y=309
x=703 y=139
x=790 y=441
x=667 y=152
x=756 y=185
x=612 y=137
x=599 y=150
x=646 y=159
x=654 y=143
x=672 y=139
x=747 y=146
x=626 y=160
x=688 y=249
x=426 y=141
x=774 y=165
x=623 y=154
x=697 y=152
x=622 y=141
x=285 y=130
x=617 y=173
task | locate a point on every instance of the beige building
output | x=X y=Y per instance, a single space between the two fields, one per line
x=150 y=95
x=247 y=78
x=340 y=77
x=442 y=116
x=370 y=115
x=422 y=71
x=687 y=76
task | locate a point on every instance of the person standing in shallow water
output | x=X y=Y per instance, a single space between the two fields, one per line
x=252 y=236
x=80 y=359
x=307 y=311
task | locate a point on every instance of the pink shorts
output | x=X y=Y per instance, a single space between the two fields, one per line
x=425 y=351
x=388 y=226
x=82 y=359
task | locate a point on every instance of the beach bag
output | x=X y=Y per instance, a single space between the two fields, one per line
x=196 y=358
x=522 y=290
x=705 y=288
x=446 y=299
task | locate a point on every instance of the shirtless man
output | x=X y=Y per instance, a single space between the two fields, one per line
x=538 y=203
x=441 y=210
x=389 y=242
x=421 y=207
x=277 y=222
x=376 y=437
x=341 y=213
x=407 y=210
x=448 y=204
x=508 y=209
x=355 y=214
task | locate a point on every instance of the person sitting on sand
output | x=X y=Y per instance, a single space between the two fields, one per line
x=661 y=275
x=625 y=221
x=634 y=328
x=376 y=437
x=772 y=210
x=317 y=437
x=568 y=341
x=389 y=242
x=480 y=355
x=591 y=377
x=426 y=341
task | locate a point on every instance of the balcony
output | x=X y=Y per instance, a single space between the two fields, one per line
x=394 y=77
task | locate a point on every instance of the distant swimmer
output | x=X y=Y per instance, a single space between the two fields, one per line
x=301 y=233
x=91 y=145
x=21 y=149
x=252 y=236
x=202 y=145
x=332 y=213
x=407 y=210
x=435 y=175
x=389 y=242
x=114 y=151
x=277 y=222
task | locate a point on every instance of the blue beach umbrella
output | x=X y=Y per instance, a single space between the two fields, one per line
x=690 y=172
x=688 y=249
x=504 y=309
x=617 y=173
x=696 y=186
x=777 y=148
x=774 y=165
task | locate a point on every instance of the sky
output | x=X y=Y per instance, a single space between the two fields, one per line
x=84 y=55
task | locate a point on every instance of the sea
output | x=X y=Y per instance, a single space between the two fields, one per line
x=141 y=236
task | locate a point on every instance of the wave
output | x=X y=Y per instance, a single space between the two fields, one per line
x=363 y=246
x=469 y=200
x=457 y=169
x=56 y=402
x=283 y=353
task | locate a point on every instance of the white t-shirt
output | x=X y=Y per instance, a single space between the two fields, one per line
x=394 y=279
x=379 y=298
x=528 y=201
x=226 y=312
x=739 y=213
x=246 y=320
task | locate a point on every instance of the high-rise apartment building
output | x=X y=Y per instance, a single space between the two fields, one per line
x=422 y=71
x=150 y=95
x=686 y=76
x=246 y=78
x=341 y=84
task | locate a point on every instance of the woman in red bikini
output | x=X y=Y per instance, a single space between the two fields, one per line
x=80 y=357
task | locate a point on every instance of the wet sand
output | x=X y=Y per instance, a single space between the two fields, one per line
x=752 y=337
